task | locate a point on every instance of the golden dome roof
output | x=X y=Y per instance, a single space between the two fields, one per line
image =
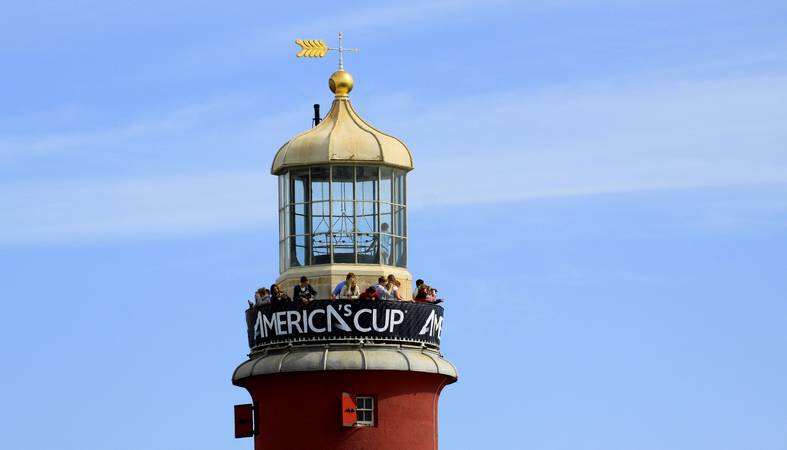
x=342 y=137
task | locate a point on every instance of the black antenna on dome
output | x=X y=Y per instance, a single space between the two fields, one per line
x=316 y=119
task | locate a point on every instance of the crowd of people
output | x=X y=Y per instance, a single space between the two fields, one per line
x=387 y=288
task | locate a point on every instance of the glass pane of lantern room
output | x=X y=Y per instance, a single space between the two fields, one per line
x=400 y=252
x=400 y=221
x=321 y=248
x=300 y=250
x=343 y=248
x=366 y=183
x=299 y=185
x=368 y=245
x=385 y=184
x=285 y=188
x=283 y=229
x=399 y=187
x=366 y=217
x=342 y=179
x=386 y=249
x=320 y=233
x=320 y=188
x=297 y=253
x=386 y=221
x=342 y=231
x=298 y=221
x=321 y=217
x=343 y=216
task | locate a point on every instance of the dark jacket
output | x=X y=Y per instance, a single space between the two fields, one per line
x=303 y=293
x=281 y=299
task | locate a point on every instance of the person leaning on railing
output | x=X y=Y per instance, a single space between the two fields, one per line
x=338 y=289
x=369 y=294
x=381 y=289
x=279 y=297
x=418 y=284
x=350 y=290
x=392 y=286
x=261 y=297
x=426 y=294
x=387 y=288
x=304 y=292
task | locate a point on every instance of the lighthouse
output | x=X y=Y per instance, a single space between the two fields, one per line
x=342 y=373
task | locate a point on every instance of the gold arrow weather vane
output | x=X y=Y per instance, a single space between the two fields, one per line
x=311 y=48
x=316 y=48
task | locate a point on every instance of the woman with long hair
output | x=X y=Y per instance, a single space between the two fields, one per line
x=278 y=296
x=350 y=291
x=392 y=286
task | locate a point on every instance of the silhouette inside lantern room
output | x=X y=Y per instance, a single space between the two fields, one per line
x=343 y=214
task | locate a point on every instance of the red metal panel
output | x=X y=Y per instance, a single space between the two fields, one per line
x=348 y=410
x=244 y=420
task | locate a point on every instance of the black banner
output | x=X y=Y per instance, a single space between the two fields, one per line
x=323 y=320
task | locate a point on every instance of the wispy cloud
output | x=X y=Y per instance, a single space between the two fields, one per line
x=504 y=147
x=134 y=208
x=178 y=120
x=405 y=16
x=408 y=13
x=602 y=139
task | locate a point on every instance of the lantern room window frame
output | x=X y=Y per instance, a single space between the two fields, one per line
x=320 y=222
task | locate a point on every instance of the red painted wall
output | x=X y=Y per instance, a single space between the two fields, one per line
x=302 y=410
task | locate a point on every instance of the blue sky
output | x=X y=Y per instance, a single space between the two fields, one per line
x=600 y=192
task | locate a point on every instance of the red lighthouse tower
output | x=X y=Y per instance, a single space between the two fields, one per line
x=343 y=373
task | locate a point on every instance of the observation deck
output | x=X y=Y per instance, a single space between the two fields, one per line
x=345 y=335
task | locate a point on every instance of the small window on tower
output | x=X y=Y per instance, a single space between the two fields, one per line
x=364 y=411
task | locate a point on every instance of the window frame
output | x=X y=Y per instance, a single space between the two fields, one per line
x=372 y=410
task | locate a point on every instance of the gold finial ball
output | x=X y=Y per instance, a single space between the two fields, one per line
x=341 y=82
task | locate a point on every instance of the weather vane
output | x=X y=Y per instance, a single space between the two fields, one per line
x=314 y=48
